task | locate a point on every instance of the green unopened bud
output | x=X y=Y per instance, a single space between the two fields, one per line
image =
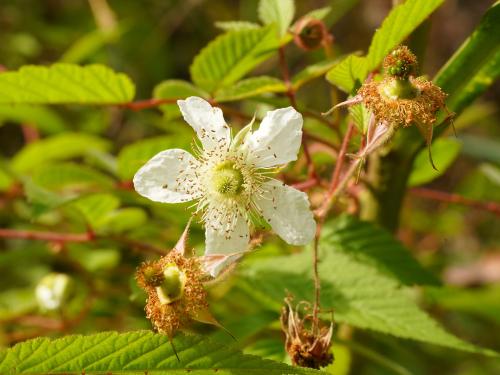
x=172 y=286
x=227 y=179
x=398 y=89
x=53 y=291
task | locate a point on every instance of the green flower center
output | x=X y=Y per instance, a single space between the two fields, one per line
x=227 y=179
x=172 y=287
x=398 y=89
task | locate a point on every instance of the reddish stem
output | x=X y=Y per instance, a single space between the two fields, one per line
x=149 y=103
x=456 y=198
x=46 y=236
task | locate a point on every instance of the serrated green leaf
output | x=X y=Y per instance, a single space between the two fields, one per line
x=475 y=65
x=175 y=89
x=345 y=75
x=278 y=12
x=444 y=153
x=400 y=22
x=134 y=156
x=95 y=208
x=230 y=56
x=236 y=25
x=58 y=147
x=312 y=71
x=65 y=84
x=69 y=175
x=360 y=293
x=44 y=119
x=250 y=87
x=134 y=353
x=374 y=246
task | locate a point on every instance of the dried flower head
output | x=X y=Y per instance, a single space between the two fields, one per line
x=175 y=291
x=399 y=100
x=403 y=102
x=308 y=344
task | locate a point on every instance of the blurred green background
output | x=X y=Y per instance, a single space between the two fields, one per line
x=156 y=40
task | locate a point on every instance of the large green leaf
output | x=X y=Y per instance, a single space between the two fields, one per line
x=361 y=293
x=400 y=22
x=65 y=84
x=230 y=56
x=475 y=65
x=96 y=208
x=444 y=153
x=236 y=25
x=59 y=147
x=279 y=12
x=374 y=246
x=250 y=87
x=134 y=353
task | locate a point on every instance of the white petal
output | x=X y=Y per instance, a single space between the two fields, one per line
x=277 y=141
x=161 y=179
x=288 y=212
x=207 y=121
x=235 y=241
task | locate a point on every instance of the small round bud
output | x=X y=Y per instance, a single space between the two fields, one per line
x=310 y=33
x=53 y=291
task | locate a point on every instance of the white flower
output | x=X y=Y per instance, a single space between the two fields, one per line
x=230 y=180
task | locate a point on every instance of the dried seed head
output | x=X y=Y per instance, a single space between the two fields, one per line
x=398 y=102
x=179 y=298
x=310 y=33
x=307 y=345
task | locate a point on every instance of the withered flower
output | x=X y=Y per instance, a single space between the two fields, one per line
x=174 y=285
x=400 y=99
x=307 y=342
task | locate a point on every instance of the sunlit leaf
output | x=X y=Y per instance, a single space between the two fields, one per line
x=279 y=12
x=312 y=71
x=236 y=25
x=134 y=352
x=232 y=55
x=250 y=87
x=65 y=84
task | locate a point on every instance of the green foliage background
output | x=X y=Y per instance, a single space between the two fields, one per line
x=417 y=301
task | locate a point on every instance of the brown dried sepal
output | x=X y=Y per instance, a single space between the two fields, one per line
x=421 y=110
x=305 y=347
x=169 y=318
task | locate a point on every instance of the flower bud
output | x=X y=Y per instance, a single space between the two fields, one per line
x=310 y=33
x=53 y=291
